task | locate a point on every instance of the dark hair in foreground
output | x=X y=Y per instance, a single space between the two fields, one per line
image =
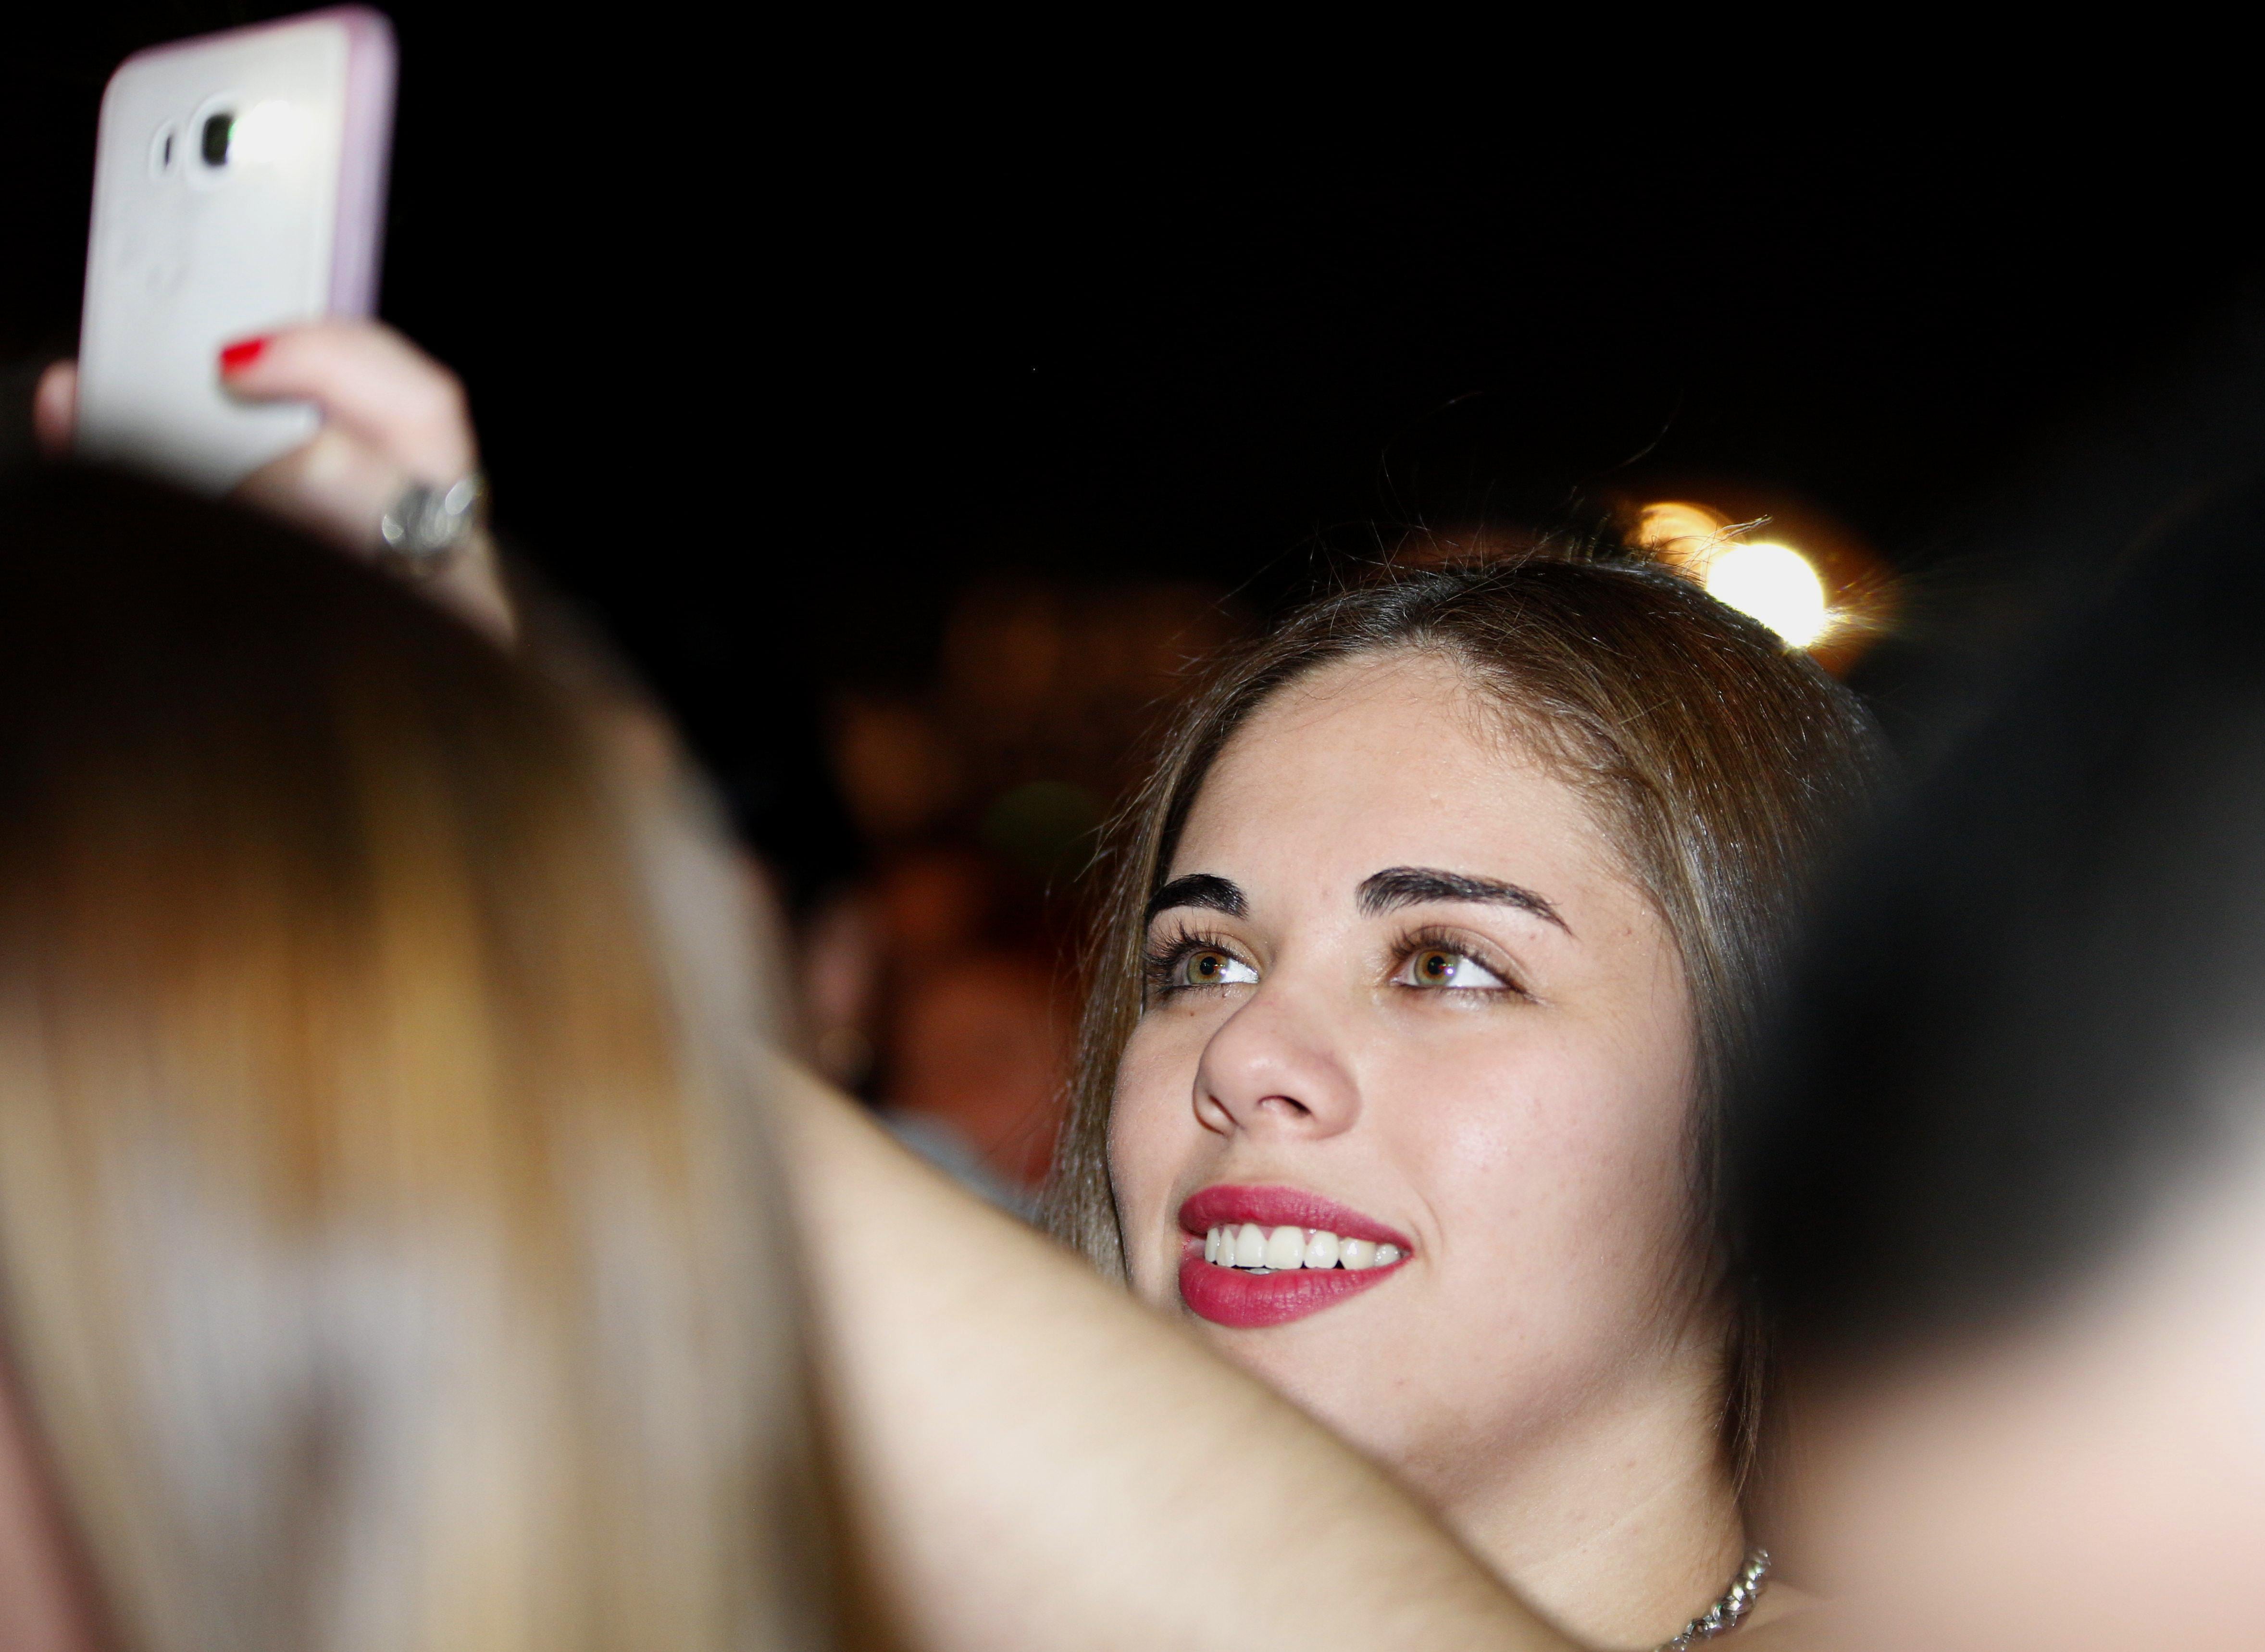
x=2038 y=1007
x=1717 y=763
x=387 y=1252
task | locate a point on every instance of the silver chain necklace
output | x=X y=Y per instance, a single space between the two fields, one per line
x=1727 y=1614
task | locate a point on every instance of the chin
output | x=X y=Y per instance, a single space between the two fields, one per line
x=1330 y=1372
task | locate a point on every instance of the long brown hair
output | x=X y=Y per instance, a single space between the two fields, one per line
x=386 y=1255
x=1718 y=763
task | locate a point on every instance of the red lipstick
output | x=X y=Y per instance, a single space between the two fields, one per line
x=1283 y=1207
x=1235 y=1297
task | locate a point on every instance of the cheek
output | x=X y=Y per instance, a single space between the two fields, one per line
x=1152 y=1133
x=1529 y=1138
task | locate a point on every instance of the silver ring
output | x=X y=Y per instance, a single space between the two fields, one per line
x=429 y=528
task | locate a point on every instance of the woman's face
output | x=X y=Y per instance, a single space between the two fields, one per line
x=1402 y=993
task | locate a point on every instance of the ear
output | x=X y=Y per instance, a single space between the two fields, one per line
x=42 y=1607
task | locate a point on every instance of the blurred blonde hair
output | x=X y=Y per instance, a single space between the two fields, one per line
x=387 y=1252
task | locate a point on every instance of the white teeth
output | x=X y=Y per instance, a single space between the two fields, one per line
x=1285 y=1248
x=1251 y=1246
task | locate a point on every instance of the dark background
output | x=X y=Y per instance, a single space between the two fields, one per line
x=775 y=347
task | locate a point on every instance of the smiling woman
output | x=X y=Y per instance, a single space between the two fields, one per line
x=1432 y=938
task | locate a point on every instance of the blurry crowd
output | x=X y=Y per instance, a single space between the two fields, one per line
x=939 y=981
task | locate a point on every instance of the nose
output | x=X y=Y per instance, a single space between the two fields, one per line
x=1272 y=1068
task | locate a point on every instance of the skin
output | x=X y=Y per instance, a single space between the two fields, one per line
x=42 y=1607
x=2091 y=1479
x=1023 y=1483
x=1058 y=1468
x=391 y=416
x=1072 y=1523
x=1535 y=1375
x=1094 y=1431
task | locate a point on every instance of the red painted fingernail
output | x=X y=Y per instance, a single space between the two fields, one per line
x=241 y=354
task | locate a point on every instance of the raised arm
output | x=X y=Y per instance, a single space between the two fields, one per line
x=1037 y=1461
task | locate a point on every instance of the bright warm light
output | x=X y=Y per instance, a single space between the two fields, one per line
x=269 y=131
x=1681 y=533
x=1776 y=584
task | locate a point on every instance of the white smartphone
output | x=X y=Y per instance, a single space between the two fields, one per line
x=239 y=185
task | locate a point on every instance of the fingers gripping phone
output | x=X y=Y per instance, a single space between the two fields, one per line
x=239 y=185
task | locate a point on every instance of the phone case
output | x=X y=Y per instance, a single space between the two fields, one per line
x=239 y=185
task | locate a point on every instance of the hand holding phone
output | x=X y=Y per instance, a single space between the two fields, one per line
x=231 y=268
x=239 y=187
x=390 y=415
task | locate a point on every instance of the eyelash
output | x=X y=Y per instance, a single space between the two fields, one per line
x=1164 y=955
x=1162 y=958
x=1427 y=939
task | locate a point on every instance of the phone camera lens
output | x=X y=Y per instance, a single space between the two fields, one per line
x=219 y=129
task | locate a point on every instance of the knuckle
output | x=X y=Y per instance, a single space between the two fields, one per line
x=440 y=399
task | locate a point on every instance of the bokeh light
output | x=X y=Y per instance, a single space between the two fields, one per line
x=1683 y=533
x=1812 y=582
x=1776 y=584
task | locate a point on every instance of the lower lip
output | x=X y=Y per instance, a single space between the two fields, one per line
x=1229 y=1296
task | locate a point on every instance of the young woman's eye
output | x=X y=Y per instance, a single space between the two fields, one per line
x=1210 y=966
x=1444 y=967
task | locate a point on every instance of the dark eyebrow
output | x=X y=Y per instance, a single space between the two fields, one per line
x=1198 y=889
x=1398 y=886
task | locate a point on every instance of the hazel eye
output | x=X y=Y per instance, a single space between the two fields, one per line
x=1209 y=966
x=1444 y=968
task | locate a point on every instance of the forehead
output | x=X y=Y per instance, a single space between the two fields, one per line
x=1387 y=760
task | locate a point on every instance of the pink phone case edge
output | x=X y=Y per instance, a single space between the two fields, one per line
x=365 y=150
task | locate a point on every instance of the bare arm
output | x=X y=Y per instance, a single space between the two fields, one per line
x=1036 y=1461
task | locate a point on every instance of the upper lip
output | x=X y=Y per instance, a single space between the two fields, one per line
x=1270 y=1205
